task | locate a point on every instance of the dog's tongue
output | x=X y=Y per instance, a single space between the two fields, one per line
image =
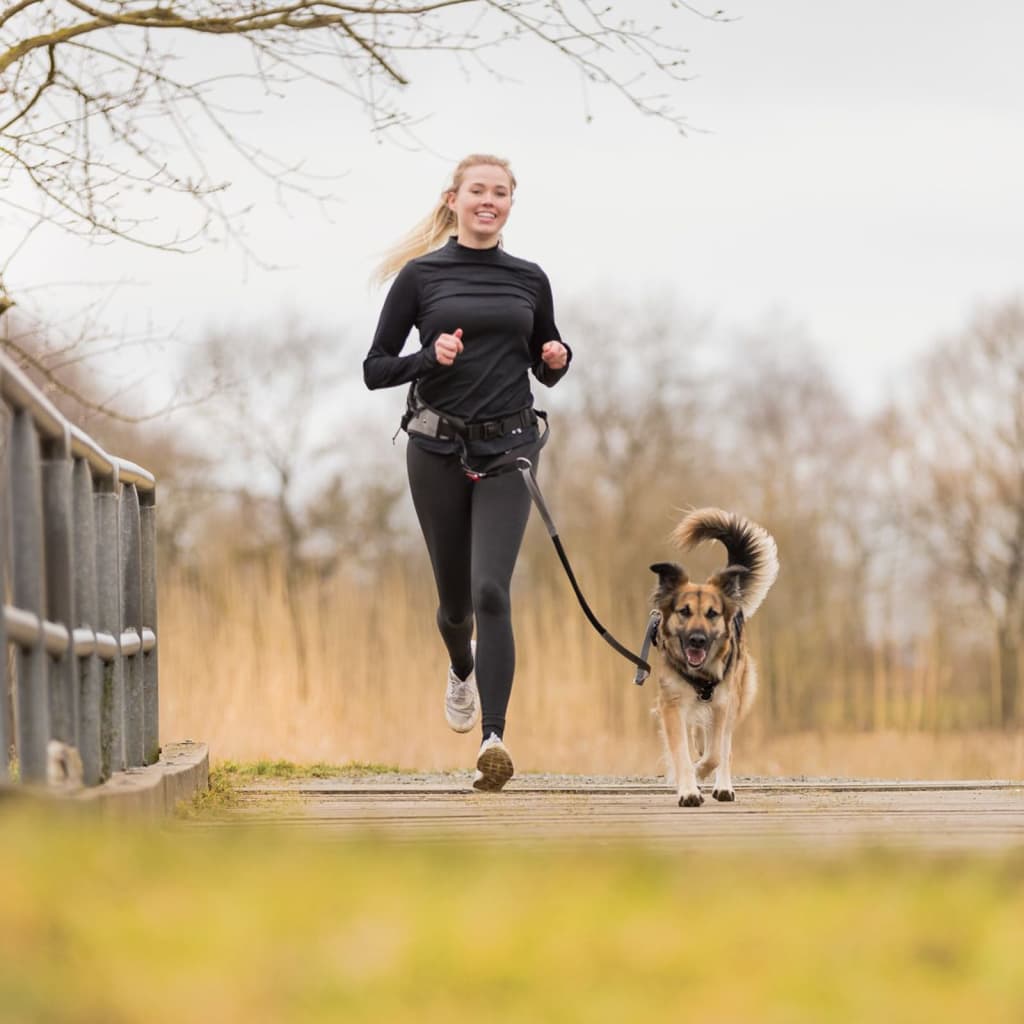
x=695 y=656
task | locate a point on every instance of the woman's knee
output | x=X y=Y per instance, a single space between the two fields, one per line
x=454 y=620
x=491 y=597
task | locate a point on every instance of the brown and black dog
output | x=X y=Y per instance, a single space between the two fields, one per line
x=707 y=679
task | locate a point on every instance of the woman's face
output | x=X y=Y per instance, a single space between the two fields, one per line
x=481 y=205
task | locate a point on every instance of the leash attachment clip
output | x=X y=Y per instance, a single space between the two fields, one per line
x=650 y=637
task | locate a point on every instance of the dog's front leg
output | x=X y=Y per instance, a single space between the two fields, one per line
x=678 y=743
x=712 y=756
x=723 y=772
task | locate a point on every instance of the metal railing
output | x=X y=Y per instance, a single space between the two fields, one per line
x=78 y=660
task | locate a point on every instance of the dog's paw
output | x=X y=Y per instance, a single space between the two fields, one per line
x=690 y=800
x=725 y=795
x=705 y=767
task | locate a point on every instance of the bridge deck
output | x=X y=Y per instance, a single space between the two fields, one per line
x=817 y=814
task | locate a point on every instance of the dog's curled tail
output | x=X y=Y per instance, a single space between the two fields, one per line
x=748 y=544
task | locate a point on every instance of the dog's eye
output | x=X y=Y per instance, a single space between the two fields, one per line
x=684 y=611
x=712 y=613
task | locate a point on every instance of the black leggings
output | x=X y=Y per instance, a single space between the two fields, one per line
x=473 y=532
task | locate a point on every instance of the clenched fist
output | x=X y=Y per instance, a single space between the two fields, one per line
x=448 y=346
x=554 y=354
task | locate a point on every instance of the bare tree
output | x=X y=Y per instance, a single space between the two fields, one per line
x=638 y=380
x=788 y=433
x=965 y=429
x=61 y=358
x=263 y=436
x=259 y=438
x=287 y=452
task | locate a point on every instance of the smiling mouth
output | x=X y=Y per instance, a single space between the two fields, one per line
x=695 y=656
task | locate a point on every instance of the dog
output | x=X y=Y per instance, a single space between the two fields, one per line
x=707 y=679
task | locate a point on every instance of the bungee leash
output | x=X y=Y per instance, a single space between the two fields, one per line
x=643 y=668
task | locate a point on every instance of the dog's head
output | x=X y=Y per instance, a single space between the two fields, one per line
x=696 y=617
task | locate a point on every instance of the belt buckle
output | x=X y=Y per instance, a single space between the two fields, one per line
x=491 y=429
x=426 y=422
x=445 y=431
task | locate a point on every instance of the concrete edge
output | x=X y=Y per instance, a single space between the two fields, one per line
x=153 y=791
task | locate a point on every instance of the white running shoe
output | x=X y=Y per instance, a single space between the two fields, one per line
x=493 y=765
x=461 y=699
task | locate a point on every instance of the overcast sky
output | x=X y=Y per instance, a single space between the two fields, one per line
x=856 y=164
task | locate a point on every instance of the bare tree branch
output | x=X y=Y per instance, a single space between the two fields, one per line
x=120 y=80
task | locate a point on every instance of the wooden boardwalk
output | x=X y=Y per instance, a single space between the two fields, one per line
x=816 y=815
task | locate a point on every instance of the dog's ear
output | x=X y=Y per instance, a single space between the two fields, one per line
x=671 y=576
x=730 y=581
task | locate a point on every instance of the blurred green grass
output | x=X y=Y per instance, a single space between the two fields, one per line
x=222 y=792
x=246 y=771
x=116 y=922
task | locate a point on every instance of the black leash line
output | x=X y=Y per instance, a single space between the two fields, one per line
x=643 y=669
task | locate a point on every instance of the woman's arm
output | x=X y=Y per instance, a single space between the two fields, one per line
x=383 y=366
x=545 y=332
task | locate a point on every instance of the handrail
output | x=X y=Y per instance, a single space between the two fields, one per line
x=78 y=557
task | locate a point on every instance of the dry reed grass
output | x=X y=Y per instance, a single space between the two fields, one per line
x=366 y=684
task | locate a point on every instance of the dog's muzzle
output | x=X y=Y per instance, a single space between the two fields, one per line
x=696 y=647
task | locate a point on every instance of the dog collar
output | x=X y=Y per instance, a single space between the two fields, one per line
x=705 y=688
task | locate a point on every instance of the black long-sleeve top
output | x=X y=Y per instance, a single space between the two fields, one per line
x=503 y=305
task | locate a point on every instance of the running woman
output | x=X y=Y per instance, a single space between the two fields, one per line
x=486 y=321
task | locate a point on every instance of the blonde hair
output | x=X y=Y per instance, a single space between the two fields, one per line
x=433 y=231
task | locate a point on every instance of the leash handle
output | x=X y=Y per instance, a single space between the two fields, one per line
x=643 y=668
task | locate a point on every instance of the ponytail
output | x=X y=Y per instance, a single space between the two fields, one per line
x=429 y=234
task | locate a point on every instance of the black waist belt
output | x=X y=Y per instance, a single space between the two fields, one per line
x=431 y=423
x=490 y=429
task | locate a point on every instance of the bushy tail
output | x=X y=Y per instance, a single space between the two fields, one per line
x=747 y=543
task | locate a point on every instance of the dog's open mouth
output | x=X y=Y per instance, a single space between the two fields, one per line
x=695 y=656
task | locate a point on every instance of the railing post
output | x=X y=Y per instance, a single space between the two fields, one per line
x=109 y=616
x=60 y=597
x=151 y=678
x=33 y=710
x=131 y=619
x=5 y=525
x=5 y=742
x=90 y=672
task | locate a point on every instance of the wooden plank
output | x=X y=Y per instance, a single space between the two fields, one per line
x=818 y=817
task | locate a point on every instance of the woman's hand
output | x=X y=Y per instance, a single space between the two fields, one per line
x=448 y=346
x=554 y=354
